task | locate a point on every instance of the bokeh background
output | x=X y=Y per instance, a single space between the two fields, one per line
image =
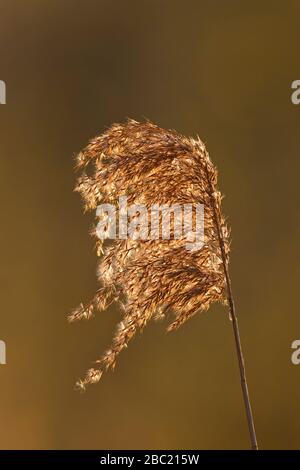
x=222 y=70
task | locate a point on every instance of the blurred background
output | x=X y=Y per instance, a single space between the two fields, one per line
x=222 y=70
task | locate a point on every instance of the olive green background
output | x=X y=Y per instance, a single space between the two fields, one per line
x=220 y=69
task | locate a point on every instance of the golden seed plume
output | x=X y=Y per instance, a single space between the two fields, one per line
x=151 y=278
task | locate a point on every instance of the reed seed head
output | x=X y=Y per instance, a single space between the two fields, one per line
x=151 y=278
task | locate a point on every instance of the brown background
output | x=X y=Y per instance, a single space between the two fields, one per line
x=220 y=69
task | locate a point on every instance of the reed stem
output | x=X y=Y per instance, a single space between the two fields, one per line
x=239 y=351
x=236 y=332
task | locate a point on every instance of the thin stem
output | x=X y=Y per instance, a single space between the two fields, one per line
x=238 y=345
x=235 y=325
